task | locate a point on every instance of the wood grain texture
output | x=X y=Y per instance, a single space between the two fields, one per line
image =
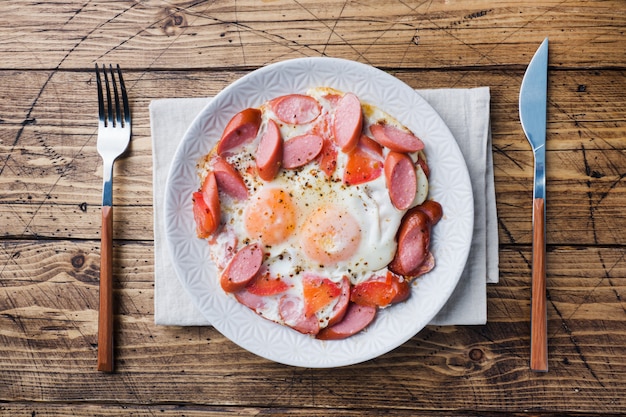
x=52 y=184
x=221 y=34
x=105 y=362
x=50 y=190
x=48 y=316
x=538 y=313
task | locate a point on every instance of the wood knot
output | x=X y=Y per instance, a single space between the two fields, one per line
x=173 y=21
x=476 y=354
x=78 y=261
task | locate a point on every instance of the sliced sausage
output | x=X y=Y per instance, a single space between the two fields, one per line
x=413 y=243
x=348 y=122
x=301 y=150
x=244 y=266
x=426 y=266
x=241 y=129
x=401 y=179
x=229 y=180
x=291 y=310
x=395 y=138
x=295 y=108
x=433 y=210
x=356 y=319
x=269 y=154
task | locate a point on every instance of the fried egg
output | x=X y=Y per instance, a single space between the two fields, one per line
x=306 y=220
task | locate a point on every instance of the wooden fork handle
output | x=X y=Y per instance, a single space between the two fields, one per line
x=105 y=316
x=538 y=315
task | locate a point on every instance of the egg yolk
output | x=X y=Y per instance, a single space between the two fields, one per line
x=270 y=216
x=330 y=235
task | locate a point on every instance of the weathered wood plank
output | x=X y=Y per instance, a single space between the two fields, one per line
x=48 y=316
x=51 y=178
x=390 y=33
x=192 y=410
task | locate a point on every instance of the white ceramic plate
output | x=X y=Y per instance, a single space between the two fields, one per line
x=449 y=184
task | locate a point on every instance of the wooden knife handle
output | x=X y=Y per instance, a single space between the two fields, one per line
x=105 y=316
x=538 y=315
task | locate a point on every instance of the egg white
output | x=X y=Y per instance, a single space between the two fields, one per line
x=310 y=188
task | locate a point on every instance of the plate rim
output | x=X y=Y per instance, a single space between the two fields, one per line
x=178 y=155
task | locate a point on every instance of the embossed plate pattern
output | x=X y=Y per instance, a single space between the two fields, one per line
x=449 y=184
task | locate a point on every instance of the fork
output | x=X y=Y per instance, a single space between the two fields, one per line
x=114 y=131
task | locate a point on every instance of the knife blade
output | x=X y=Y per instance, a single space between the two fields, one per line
x=532 y=111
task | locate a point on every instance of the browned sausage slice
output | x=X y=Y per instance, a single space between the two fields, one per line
x=426 y=266
x=229 y=180
x=413 y=243
x=348 y=122
x=401 y=179
x=396 y=139
x=301 y=150
x=242 y=128
x=244 y=266
x=269 y=154
x=356 y=319
x=433 y=210
x=295 y=108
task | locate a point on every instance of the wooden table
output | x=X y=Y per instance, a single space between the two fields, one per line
x=50 y=191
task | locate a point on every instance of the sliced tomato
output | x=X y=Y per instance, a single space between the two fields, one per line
x=328 y=157
x=339 y=310
x=318 y=293
x=266 y=284
x=205 y=222
x=381 y=291
x=365 y=162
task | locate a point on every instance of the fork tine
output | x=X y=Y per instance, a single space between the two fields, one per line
x=118 y=114
x=124 y=96
x=101 y=114
x=109 y=119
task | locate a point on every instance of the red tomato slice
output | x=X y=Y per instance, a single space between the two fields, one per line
x=318 y=293
x=328 y=157
x=365 y=162
x=205 y=223
x=381 y=291
x=265 y=284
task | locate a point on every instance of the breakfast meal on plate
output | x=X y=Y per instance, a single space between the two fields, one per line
x=315 y=211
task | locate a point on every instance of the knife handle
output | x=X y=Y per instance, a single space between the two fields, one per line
x=538 y=314
x=105 y=316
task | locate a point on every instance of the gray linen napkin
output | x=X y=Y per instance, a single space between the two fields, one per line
x=465 y=111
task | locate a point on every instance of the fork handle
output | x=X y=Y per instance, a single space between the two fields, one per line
x=538 y=313
x=105 y=317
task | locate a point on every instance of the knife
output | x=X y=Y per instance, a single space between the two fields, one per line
x=532 y=111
